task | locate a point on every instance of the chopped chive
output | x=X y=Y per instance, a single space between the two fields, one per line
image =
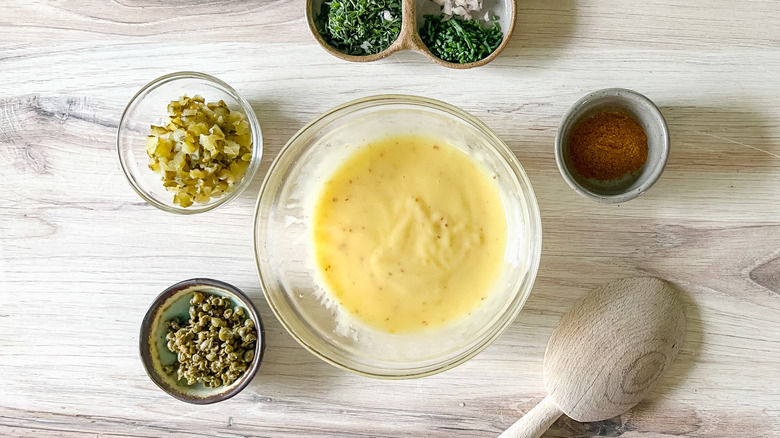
x=460 y=41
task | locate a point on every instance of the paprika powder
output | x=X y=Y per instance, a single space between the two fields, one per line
x=607 y=146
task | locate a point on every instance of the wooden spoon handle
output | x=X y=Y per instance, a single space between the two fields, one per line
x=535 y=422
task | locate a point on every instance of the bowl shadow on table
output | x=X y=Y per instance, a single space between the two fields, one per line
x=277 y=129
x=718 y=142
x=288 y=371
x=542 y=25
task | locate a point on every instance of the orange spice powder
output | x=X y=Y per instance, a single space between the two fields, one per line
x=607 y=146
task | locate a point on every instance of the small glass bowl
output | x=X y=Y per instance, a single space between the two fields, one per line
x=148 y=107
x=284 y=252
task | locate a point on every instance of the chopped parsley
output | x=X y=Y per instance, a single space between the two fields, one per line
x=360 y=27
x=460 y=41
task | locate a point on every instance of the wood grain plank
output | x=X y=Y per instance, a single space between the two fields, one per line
x=81 y=253
x=541 y=24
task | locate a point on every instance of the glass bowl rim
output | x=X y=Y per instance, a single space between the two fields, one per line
x=254 y=125
x=505 y=320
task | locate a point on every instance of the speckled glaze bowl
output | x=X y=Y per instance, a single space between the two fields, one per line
x=413 y=12
x=649 y=117
x=174 y=302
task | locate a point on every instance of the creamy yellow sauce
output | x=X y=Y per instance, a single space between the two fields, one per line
x=409 y=233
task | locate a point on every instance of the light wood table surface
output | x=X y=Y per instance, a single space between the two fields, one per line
x=82 y=256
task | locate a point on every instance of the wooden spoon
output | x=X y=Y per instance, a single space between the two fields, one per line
x=607 y=352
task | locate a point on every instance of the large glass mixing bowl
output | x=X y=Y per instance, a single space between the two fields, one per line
x=284 y=250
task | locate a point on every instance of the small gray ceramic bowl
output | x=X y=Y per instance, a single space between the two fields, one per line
x=174 y=302
x=641 y=109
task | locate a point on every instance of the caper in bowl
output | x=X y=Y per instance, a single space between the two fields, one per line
x=202 y=341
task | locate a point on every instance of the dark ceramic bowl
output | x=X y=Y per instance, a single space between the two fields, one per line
x=174 y=302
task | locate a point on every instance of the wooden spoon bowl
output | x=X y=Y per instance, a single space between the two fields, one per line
x=409 y=37
x=607 y=352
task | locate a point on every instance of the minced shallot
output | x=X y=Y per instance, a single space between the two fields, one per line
x=461 y=8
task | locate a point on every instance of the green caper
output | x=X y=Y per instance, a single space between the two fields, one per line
x=225 y=334
x=214 y=346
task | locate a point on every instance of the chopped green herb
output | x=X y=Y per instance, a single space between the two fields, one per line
x=460 y=41
x=360 y=27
